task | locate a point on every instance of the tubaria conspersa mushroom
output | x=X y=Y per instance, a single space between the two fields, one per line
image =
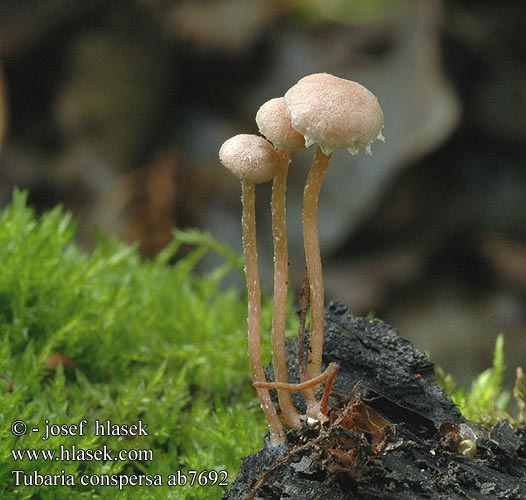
x=253 y=160
x=274 y=124
x=333 y=113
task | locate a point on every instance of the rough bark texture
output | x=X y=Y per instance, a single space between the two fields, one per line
x=419 y=457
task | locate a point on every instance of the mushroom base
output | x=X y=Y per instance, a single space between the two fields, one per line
x=393 y=433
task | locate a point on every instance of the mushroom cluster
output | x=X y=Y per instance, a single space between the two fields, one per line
x=332 y=113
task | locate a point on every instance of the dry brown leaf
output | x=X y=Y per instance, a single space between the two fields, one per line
x=54 y=360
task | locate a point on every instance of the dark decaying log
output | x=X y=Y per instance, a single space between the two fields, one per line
x=393 y=434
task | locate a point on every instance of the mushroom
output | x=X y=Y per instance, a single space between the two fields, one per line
x=254 y=160
x=274 y=124
x=333 y=113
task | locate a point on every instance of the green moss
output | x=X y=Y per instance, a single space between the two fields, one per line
x=487 y=400
x=149 y=340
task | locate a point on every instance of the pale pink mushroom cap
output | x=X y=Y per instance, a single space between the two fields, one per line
x=250 y=158
x=334 y=113
x=274 y=123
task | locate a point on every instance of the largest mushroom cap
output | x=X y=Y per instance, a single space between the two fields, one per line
x=250 y=158
x=334 y=113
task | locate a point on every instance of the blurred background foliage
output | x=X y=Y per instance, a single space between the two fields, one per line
x=117 y=110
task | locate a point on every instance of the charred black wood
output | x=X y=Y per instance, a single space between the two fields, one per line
x=393 y=432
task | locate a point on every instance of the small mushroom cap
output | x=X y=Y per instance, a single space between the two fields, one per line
x=274 y=123
x=334 y=113
x=250 y=158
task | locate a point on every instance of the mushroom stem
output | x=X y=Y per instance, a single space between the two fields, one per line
x=279 y=233
x=308 y=393
x=311 y=195
x=302 y=313
x=331 y=378
x=277 y=434
x=328 y=374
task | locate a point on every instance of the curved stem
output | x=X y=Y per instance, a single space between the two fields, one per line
x=331 y=378
x=279 y=317
x=326 y=375
x=313 y=259
x=277 y=434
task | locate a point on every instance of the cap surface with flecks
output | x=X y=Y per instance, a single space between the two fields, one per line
x=334 y=113
x=250 y=158
x=274 y=123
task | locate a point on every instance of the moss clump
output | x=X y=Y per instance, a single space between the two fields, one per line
x=488 y=401
x=148 y=340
